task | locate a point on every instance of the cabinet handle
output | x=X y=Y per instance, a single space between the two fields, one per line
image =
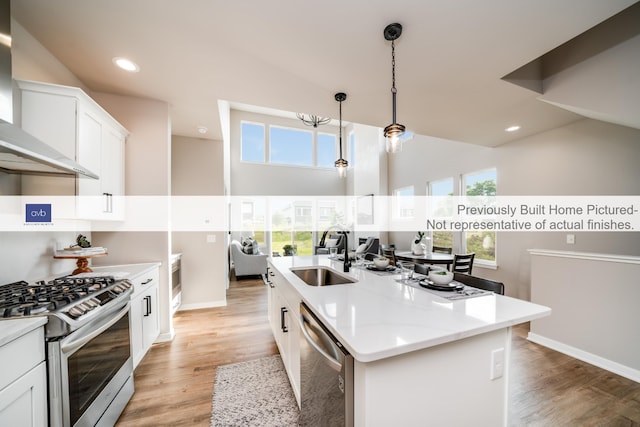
x=146 y=281
x=284 y=328
x=106 y=202
x=266 y=280
x=147 y=308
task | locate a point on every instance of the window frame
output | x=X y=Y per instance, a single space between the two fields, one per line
x=397 y=208
x=463 y=235
x=430 y=193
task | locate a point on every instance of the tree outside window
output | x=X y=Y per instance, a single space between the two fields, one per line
x=482 y=243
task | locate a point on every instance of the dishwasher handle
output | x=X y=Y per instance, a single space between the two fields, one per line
x=304 y=324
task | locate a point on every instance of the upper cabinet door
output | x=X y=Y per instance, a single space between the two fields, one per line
x=71 y=122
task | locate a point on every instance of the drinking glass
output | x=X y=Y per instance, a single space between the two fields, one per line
x=333 y=252
x=406 y=270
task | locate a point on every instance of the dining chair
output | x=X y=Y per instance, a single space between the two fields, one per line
x=463 y=263
x=479 y=282
x=389 y=253
x=442 y=250
x=386 y=246
x=421 y=268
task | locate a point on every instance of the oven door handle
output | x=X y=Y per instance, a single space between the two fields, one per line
x=73 y=345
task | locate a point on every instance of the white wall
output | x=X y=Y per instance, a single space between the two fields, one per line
x=585 y=157
x=369 y=174
x=196 y=170
x=605 y=86
x=147 y=173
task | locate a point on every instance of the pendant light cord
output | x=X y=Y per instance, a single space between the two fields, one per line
x=340 y=129
x=393 y=79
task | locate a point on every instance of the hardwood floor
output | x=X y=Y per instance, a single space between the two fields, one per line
x=174 y=382
x=548 y=388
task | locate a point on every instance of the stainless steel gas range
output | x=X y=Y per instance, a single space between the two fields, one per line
x=89 y=364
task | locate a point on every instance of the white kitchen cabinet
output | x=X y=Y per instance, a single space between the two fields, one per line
x=283 y=313
x=68 y=120
x=23 y=387
x=145 y=326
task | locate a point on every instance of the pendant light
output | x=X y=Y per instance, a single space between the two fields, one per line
x=394 y=131
x=341 y=164
x=313 y=120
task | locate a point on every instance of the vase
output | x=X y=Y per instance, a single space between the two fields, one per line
x=421 y=247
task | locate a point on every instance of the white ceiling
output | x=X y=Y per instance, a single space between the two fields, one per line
x=294 y=55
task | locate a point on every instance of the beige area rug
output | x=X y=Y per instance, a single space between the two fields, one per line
x=254 y=393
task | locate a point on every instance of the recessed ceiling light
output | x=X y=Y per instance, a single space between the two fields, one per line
x=126 y=64
x=512 y=128
x=202 y=129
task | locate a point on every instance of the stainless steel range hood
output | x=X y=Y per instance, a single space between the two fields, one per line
x=21 y=152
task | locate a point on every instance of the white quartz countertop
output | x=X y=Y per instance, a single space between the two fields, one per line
x=125 y=271
x=378 y=317
x=10 y=329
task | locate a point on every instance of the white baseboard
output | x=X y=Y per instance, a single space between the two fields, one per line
x=197 y=306
x=166 y=337
x=601 y=362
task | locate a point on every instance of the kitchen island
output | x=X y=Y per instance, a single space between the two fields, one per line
x=418 y=358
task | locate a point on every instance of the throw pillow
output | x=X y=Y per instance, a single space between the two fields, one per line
x=331 y=243
x=247 y=246
x=361 y=248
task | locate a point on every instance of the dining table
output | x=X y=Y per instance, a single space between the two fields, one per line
x=426 y=258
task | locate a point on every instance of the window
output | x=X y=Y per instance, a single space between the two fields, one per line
x=290 y=146
x=252 y=146
x=293 y=222
x=326 y=150
x=482 y=243
x=403 y=202
x=253 y=216
x=283 y=145
x=444 y=187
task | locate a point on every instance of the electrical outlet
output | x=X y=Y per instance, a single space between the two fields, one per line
x=571 y=239
x=211 y=238
x=497 y=364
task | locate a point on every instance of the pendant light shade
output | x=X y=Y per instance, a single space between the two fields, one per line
x=394 y=132
x=341 y=164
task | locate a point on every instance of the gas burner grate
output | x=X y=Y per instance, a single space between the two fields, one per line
x=24 y=299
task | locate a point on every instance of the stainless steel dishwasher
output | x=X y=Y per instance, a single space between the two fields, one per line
x=326 y=375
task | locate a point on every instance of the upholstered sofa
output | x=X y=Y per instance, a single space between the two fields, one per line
x=327 y=241
x=247 y=264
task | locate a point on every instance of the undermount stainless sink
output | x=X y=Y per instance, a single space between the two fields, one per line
x=321 y=276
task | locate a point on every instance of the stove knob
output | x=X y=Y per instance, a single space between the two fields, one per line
x=88 y=305
x=75 y=312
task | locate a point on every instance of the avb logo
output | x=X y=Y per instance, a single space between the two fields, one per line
x=38 y=213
